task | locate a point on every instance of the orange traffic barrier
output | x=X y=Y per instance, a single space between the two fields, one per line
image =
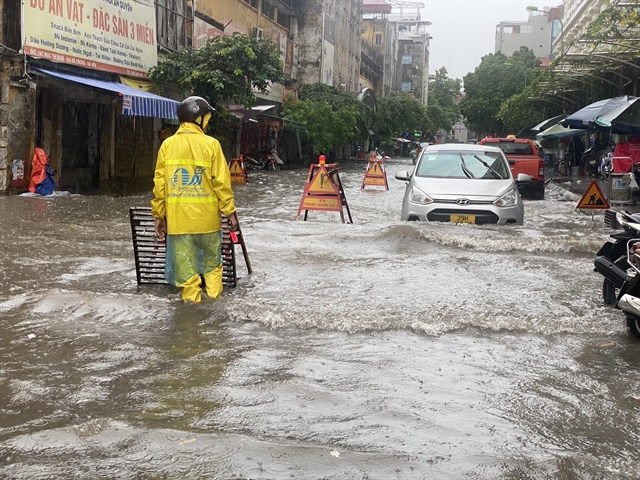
x=376 y=175
x=323 y=190
x=238 y=170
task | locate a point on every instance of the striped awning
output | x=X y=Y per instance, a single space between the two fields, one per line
x=134 y=101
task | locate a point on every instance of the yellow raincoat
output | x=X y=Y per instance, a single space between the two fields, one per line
x=192 y=186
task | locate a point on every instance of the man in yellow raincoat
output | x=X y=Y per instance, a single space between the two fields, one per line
x=192 y=186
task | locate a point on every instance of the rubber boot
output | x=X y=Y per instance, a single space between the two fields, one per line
x=191 y=290
x=213 y=282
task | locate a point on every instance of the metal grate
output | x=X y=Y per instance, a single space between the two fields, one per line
x=150 y=253
x=610 y=219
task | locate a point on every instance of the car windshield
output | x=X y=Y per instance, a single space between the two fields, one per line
x=513 y=148
x=463 y=164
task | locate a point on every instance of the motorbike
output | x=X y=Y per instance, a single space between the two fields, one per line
x=612 y=259
x=606 y=166
x=590 y=164
x=619 y=263
x=268 y=161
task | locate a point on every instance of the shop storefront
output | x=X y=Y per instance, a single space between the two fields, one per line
x=101 y=136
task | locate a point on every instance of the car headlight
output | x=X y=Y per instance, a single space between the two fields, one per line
x=418 y=196
x=509 y=199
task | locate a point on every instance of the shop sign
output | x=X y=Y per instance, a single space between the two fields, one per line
x=203 y=31
x=108 y=35
x=275 y=93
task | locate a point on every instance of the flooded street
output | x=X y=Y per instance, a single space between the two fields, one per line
x=382 y=349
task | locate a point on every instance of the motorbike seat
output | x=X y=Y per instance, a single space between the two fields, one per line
x=634 y=217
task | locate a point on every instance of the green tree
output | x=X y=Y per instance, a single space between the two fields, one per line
x=495 y=80
x=397 y=114
x=327 y=129
x=226 y=68
x=442 y=109
x=339 y=100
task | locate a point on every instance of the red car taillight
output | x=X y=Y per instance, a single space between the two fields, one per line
x=541 y=169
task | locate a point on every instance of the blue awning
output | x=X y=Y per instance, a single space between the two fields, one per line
x=134 y=101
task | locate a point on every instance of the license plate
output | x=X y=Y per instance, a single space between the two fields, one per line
x=462 y=218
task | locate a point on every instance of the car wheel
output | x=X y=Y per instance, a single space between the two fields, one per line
x=609 y=289
x=633 y=323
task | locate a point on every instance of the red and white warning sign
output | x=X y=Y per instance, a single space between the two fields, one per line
x=376 y=175
x=323 y=191
x=237 y=170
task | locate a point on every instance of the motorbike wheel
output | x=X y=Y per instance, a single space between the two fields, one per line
x=274 y=167
x=633 y=323
x=609 y=289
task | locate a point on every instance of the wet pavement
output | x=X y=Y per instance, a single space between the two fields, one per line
x=381 y=349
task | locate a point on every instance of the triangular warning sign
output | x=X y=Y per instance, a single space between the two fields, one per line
x=593 y=198
x=322 y=183
x=235 y=167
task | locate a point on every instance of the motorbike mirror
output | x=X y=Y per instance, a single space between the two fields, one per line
x=403 y=176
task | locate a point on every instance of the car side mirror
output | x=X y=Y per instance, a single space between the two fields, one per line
x=404 y=176
x=523 y=178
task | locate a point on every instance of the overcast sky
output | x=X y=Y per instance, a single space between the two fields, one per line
x=463 y=31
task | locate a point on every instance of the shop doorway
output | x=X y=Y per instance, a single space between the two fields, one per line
x=80 y=163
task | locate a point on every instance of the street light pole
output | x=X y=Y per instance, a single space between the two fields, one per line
x=531 y=8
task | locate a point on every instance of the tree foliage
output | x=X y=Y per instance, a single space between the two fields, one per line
x=493 y=82
x=327 y=129
x=442 y=109
x=397 y=114
x=339 y=100
x=225 y=68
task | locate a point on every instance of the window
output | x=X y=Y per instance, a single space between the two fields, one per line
x=526 y=29
x=267 y=9
x=471 y=165
x=174 y=19
x=284 y=20
x=253 y=3
x=378 y=39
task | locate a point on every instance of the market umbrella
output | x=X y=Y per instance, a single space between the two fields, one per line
x=549 y=122
x=625 y=121
x=586 y=117
x=558 y=131
x=531 y=132
x=245 y=114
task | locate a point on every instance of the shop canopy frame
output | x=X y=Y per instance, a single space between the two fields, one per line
x=134 y=102
x=606 y=54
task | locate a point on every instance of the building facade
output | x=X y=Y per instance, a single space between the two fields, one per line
x=576 y=16
x=17 y=103
x=534 y=34
x=330 y=41
x=396 y=42
x=80 y=89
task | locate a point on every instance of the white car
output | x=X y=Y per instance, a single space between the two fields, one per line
x=462 y=183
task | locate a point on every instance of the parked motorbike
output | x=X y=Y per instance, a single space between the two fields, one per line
x=606 y=166
x=619 y=263
x=612 y=259
x=267 y=161
x=589 y=161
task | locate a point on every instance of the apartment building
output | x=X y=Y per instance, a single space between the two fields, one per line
x=535 y=34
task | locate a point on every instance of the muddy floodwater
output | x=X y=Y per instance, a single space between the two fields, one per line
x=378 y=350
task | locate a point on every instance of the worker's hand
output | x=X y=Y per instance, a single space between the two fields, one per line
x=161 y=228
x=233 y=222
